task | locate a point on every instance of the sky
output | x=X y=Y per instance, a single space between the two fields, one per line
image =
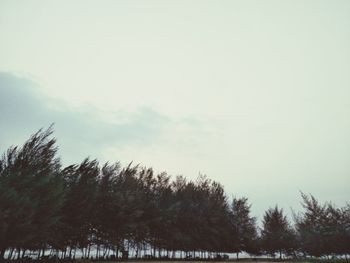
x=253 y=94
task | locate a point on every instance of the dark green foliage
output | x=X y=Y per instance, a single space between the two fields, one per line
x=104 y=205
x=244 y=226
x=276 y=234
x=309 y=227
x=31 y=193
x=111 y=208
x=323 y=229
x=79 y=206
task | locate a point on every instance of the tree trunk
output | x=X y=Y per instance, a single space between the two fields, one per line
x=137 y=251
x=23 y=253
x=10 y=254
x=39 y=254
x=70 y=252
x=98 y=252
x=2 y=254
x=88 y=253
x=18 y=254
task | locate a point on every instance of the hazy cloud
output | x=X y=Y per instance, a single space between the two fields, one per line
x=24 y=109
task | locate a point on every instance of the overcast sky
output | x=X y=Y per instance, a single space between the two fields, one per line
x=254 y=94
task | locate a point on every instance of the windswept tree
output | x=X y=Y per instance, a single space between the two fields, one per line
x=32 y=194
x=129 y=205
x=323 y=229
x=344 y=231
x=219 y=221
x=158 y=212
x=110 y=208
x=103 y=222
x=277 y=236
x=244 y=226
x=335 y=232
x=310 y=227
x=79 y=206
x=200 y=216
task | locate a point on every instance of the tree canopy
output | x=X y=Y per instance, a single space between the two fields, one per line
x=112 y=210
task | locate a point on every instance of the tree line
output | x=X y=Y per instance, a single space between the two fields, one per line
x=105 y=210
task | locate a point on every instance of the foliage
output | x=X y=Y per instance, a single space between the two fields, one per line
x=244 y=226
x=276 y=234
x=323 y=229
x=43 y=205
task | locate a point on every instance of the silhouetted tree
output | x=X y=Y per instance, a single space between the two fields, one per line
x=344 y=231
x=32 y=194
x=310 y=226
x=79 y=207
x=111 y=208
x=244 y=226
x=103 y=223
x=276 y=234
x=323 y=229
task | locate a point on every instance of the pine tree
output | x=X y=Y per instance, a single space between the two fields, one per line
x=33 y=193
x=79 y=206
x=244 y=226
x=310 y=227
x=276 y=234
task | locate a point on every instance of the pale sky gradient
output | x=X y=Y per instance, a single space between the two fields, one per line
x=254 y=94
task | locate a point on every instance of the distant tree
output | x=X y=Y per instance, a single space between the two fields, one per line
x=344 y=231
x=186 y=221
x=79 y=207
x=129 y=206
x=178 y=236
x=309 y=225
x=32 y=194
x=103 y=224
x=219 y=220
x=323 y=229
x=158 y=213
x=276 y=234
x=334 y=233
x=200 y=221
x=43 y=206
x=244 y=226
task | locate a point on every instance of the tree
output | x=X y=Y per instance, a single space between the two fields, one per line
x=344 y=231
x=310 y=226
x=43 y=206
x=244 y=226
x=32 y=194
x=104 y=207
x=79 y=206
x=276 y=234
x=323 y=229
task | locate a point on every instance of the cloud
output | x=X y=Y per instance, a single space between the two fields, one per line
x=286 y=149
x=80 y=132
